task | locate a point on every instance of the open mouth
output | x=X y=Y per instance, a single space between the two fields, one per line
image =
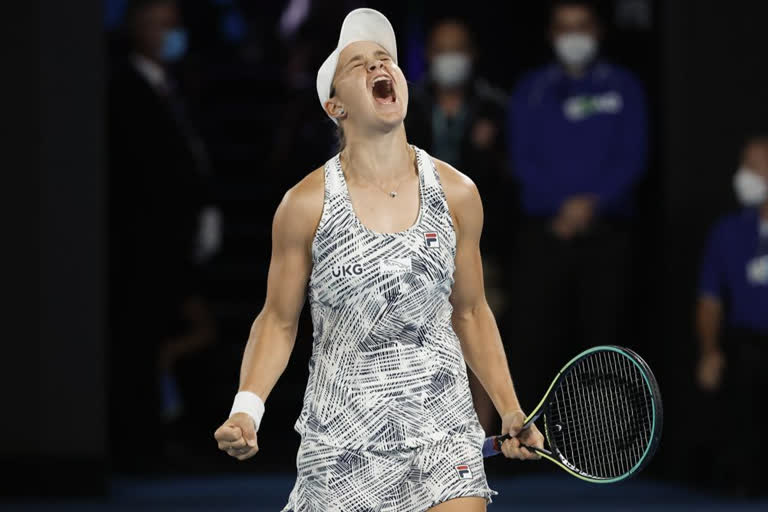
x=384 y=90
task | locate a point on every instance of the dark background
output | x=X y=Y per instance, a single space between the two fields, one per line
x=703 y=64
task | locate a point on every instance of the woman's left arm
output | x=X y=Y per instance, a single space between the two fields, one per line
x=473 y=319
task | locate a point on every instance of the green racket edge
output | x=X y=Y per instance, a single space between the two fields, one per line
x=653 y=386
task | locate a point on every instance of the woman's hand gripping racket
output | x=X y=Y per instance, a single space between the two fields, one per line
x=602 y=416
x=519 y=437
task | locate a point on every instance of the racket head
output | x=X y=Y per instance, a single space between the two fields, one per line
x=603 y=415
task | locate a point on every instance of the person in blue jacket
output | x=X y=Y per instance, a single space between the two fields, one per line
x=732 y=313
x=577 y=137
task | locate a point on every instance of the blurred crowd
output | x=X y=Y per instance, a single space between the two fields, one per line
x=558 y=160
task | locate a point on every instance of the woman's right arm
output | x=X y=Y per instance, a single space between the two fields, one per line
x=273 y=332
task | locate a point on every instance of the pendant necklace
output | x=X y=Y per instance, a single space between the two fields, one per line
x=390 y=193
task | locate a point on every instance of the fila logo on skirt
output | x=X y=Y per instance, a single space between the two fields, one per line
x=464 y=472
x=431 y=239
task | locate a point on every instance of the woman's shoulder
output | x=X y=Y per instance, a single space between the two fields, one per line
x=461 y=195
x=457 y=186
x=309 y=187
x=302 y=204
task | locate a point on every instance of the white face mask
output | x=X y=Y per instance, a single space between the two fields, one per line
x=450 y=69
x=576 y=49
x=751 y=188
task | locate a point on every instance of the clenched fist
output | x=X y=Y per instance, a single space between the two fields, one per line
x=237 y=436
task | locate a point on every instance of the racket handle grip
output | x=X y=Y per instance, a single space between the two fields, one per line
x=492 y=445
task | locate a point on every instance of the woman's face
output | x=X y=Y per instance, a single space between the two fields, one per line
x=370 y=86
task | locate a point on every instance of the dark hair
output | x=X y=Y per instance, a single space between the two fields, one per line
x=136 y=6
x=451 y=20
x=341 y=140
x=592 y=6
x=755 y=138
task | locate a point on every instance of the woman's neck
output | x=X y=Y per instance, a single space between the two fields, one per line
x=383 y=157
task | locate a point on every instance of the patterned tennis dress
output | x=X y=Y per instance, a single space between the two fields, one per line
x=388 y=422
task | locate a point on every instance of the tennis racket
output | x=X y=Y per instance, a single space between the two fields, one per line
x=602 y=416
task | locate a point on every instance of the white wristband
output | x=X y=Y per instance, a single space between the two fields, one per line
x=251 y=404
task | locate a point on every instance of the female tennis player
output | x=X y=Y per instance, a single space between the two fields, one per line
x=387 y=238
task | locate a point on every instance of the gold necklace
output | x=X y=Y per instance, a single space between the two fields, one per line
x=391 y=193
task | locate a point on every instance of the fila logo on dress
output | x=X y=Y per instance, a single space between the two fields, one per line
x=431 y=239
x=464 y=472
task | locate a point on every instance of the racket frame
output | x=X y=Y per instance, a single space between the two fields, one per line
x=542 y=407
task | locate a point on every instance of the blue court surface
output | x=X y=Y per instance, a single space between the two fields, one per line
x=268 y=493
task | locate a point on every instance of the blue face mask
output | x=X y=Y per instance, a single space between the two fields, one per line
x=174 y=45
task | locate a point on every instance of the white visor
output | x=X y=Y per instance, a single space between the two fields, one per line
x=359 y=25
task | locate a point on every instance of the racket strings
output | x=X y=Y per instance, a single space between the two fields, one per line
x=618 y=411
x=600 y=418
x=610 y=402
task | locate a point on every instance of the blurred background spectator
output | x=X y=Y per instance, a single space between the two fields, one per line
x=732 y=316
x=458 y=117
x=453 y=113
x=161 y=232
x=577 y=133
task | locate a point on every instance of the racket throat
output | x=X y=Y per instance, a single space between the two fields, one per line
x=540 y=451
